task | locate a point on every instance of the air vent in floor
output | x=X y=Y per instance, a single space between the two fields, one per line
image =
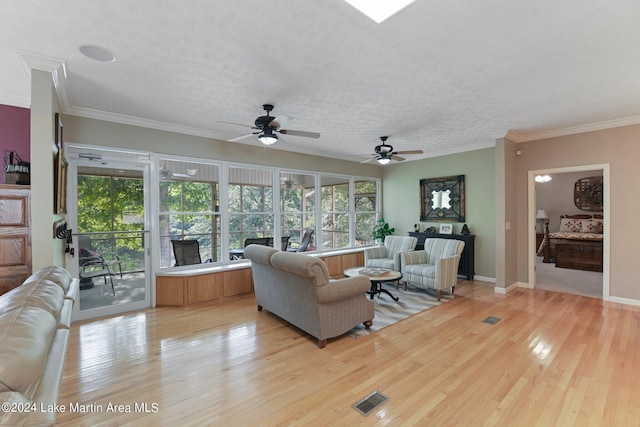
x=491 y=320
x=370 y=403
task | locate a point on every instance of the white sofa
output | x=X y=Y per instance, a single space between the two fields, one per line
x=435 y=266
x=35 y=319
x=297 y=288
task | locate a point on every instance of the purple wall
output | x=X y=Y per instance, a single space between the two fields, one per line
x=15 y=133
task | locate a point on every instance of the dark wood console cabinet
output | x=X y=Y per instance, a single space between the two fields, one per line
x=467 y=264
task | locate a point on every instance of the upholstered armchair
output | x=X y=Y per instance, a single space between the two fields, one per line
x=388 y=255
x=434 y=267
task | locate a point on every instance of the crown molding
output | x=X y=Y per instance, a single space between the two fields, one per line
x=56 y=67
x=39 y=62
x=136 y=121
x=516 y=136
x=15 y=101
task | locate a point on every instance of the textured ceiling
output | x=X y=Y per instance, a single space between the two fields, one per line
x=442 y=76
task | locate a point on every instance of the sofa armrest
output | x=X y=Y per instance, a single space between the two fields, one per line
x=375 y=252
x=339 y=289
x=14 y=418
x=447 y=271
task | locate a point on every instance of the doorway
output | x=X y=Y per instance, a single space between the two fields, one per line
x=109 y=213
x=561 y=279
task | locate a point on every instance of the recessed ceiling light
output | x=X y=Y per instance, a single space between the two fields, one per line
x=98 y=53
x=379 y=10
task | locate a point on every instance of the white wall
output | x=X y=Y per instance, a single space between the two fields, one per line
x=44 y=104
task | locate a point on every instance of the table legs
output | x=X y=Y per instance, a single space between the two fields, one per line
x=376 y=289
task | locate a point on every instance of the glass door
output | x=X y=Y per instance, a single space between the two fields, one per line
x=111 y=238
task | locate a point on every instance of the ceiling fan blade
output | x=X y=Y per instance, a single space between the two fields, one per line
x=181 y=176
x=368 y=160
x=409 y=152
x=279 y=121
x=238 y=138
x=299 y=133
x=398 y=158
x=237 y=124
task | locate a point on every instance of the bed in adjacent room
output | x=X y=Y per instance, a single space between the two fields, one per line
x=578 y=243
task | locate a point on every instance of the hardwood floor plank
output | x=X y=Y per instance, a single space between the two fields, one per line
x=552 y=359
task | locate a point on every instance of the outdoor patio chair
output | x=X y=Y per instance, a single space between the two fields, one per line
x=306 y=240
x=186 y=252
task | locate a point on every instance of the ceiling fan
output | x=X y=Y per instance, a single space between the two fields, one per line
x=166 y=174
x=289 y=183
x=267 y=126
x=384 y=153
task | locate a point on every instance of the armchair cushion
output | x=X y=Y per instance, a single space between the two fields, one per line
x=422 y=270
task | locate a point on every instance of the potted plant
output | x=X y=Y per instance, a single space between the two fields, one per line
x=381 y=230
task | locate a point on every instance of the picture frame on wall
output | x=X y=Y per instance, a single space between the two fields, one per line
x=446 y=229
x=60 y=166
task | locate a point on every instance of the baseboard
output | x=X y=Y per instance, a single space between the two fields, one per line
x=485 y=279
x=627 y=301
x=525 y=285
x=511 y=287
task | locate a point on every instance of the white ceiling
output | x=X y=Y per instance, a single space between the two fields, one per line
x=443 y=76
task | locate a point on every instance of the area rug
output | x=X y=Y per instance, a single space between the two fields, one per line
x=388 y=311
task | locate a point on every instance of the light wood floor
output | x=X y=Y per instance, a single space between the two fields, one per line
x=553 y=359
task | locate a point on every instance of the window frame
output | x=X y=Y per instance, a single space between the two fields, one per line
x=224 y=168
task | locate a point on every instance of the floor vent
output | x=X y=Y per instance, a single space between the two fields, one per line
x=370 y=403
x=491 y=320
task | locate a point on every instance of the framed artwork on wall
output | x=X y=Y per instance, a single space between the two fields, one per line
x=442 y=199
x=446 y=229
x=587 y=194
x=60 y=166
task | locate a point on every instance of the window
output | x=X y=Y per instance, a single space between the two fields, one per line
x=366 y=211
x=189 y=209
x=110 y=206
x=335 y=212
x=250 y=193
x=221 y=205
x=298 y=206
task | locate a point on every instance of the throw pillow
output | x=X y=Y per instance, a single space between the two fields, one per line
x=570 y=225
x=590 y=226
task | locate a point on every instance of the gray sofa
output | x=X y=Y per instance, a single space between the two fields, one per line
x=297 y=288
x=35 y=319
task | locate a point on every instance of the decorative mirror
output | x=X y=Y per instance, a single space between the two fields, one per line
x=587 y=194
x=442 y=199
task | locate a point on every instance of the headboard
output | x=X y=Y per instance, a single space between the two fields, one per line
x=567 y=225
x=579 y=216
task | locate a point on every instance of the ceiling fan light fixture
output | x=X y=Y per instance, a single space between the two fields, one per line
x=268 y=139
x=384 y=160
